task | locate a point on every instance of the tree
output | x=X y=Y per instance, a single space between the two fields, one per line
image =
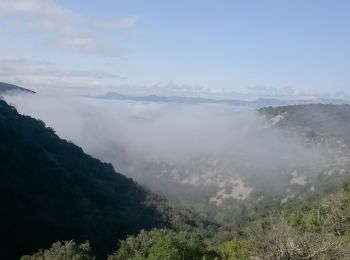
x=164 y=244
x=68 y=250
x=235 y=249
x=278 y=240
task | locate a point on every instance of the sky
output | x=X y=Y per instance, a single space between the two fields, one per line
x=271 y=48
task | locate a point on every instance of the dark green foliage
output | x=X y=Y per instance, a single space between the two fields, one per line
x=236 y=249
x=164 y=244
x=52 y=191
x=316 y=231
x=331 y=215
x=183 y=219
x=178 y=246
x=69 y=250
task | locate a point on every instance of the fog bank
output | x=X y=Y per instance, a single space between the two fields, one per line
x=146 y=141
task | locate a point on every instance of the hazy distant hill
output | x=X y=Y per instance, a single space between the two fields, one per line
x=171 y=99
x=296 y=154
x=6 y=88
x=258 y=103
x=51 y=190
x=327 y=120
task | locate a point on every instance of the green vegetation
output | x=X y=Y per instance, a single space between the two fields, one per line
x=320 y=231
x=234 y=250
x=59 y=251
x=163 y=244
x=319 y=120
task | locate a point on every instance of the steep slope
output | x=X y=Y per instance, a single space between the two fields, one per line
x=6 y=88
x=51 y=190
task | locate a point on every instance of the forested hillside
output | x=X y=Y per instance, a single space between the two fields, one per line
x=51 y=190
x=313 y=120
x=318 y=231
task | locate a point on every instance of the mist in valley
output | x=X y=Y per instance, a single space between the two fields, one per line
x=204 y=152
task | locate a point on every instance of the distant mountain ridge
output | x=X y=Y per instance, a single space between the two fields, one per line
x=6 y=88
x=258 y=103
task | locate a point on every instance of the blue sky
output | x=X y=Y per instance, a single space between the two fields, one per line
x=282 y=48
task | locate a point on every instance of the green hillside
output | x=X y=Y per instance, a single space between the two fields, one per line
x=51 y=190
x=314 y=120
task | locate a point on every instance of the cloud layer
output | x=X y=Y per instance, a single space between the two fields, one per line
x=41 y=75
x=64 y=28
x=120 y=23
x=142 y=140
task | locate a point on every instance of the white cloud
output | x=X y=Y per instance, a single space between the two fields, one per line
x=46 y=8
x=42 y=14
x=85 y=44
x=38 y=74
x=63 y=27
x=123 y=23
x=8 y=60
x=41 y=74
x=290 y=93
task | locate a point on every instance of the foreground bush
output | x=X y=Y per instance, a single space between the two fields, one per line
x=278 y=240
x=164 y=244
x=234 y=250
x=68 y=250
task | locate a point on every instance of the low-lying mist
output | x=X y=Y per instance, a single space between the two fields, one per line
x=159 y=144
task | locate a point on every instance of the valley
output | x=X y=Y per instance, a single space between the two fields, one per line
x=279 y=159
